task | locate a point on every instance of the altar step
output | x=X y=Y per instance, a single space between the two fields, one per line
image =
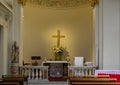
x=48 y=83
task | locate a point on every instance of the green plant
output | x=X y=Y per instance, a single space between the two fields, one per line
x=59 y=52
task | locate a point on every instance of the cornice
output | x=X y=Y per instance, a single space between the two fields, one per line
x=60 y=3
x=93 y=3
x=22 y=2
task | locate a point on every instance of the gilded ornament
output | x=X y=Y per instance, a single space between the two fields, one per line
x=93 y=3
x=23 y=2
x=63 y=3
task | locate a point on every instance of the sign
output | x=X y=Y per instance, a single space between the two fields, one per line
x=79 y=61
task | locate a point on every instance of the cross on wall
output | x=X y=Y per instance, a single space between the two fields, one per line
x=58 y=36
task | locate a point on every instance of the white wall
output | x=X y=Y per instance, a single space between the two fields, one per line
x=41 y=23
x=109 y=30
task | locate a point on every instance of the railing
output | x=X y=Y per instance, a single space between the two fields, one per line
x=40 y=73
x=35 y=72
x=79 y=71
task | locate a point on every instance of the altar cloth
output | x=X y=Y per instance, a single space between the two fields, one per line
x=111 y=73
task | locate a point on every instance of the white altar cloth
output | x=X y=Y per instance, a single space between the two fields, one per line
x=107 y=72
x=55 y=62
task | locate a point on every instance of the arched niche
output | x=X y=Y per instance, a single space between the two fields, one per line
x=95 y=46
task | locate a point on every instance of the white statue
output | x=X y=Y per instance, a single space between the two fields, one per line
x=15 y=53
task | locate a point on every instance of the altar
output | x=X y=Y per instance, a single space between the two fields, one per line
x=57 y=70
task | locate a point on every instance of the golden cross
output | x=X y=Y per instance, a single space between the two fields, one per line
x=58 y=36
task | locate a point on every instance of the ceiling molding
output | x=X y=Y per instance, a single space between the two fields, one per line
x=93 y=3
x=60 y=3
x=22 y=2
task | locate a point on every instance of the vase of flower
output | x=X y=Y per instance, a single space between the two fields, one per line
x=59 y=52
x=58 y=56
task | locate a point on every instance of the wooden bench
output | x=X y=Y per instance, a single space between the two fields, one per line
x=92 y=81
x=13 y=78
x=17 y=76
x=8 y=83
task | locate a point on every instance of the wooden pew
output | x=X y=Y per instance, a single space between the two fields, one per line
x=92 y=81
x=13 y=78
x=8 y=83
x=16 y=76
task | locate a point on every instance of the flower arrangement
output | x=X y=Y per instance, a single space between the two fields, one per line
x=59 y=52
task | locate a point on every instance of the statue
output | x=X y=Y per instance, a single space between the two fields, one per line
x=15 y=53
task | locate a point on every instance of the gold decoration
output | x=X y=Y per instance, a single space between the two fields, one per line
x=23 y=2
x=93 y=3
x=60 y=3
x=67 y=59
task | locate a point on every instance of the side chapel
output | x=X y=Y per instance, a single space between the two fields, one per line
x=87 y=40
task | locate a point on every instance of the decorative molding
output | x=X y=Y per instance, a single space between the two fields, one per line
x=93 y=3
x=9 y=3
x=61 y=3
x=23 y=2
x=4 y=13
x=7 y=17
x=7 y=6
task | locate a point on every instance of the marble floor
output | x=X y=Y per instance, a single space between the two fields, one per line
x=48 y=83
